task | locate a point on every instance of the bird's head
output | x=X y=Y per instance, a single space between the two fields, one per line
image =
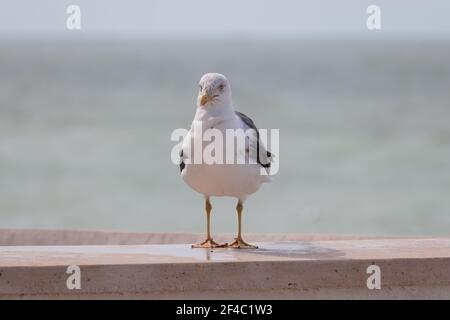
x=214 y=89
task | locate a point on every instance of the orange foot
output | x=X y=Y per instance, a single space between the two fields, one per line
x=209 y=243
x=241 y=244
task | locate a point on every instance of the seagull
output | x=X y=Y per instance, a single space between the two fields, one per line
x=215 y=110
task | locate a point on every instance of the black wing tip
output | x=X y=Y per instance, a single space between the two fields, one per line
x=265 y=165
x=182 y=164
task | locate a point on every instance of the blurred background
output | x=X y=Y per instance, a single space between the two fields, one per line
x=364 y=116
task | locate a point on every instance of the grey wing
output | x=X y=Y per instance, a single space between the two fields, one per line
x=263 y=156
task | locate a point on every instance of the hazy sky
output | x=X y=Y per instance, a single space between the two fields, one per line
x=226 y=17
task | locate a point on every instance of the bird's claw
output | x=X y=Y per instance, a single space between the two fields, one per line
x=209 y=244
x=241 y=244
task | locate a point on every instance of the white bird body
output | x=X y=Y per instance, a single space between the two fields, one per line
x=233 y=180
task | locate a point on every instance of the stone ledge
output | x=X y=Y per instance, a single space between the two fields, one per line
x=34 y=237
x=410 y=268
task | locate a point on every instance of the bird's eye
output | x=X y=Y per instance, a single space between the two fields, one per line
x=200 y=87
x=221 y=87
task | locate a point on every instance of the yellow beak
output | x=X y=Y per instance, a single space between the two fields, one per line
x=204 y=99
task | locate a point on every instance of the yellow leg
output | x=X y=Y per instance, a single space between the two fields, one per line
x=209 y=242
x=238 y=241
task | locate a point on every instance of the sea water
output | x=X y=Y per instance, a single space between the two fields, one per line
x=364 y=134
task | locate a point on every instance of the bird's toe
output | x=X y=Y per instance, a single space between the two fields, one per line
x=209 y=244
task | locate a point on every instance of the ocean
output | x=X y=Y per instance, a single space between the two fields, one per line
x=364 y=134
